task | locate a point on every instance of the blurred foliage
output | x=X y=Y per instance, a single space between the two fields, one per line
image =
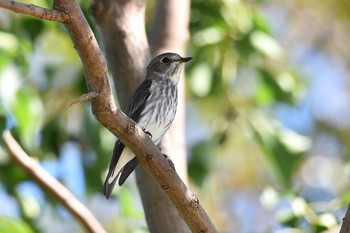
x=242 y=73
x=14 y=225
x=294 y=212
x=228 y=39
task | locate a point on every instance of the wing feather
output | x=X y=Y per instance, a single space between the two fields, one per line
x=139 y=99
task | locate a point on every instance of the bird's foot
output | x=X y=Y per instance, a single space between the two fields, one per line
x=148 y=133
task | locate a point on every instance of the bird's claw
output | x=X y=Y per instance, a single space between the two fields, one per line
x=148 y=133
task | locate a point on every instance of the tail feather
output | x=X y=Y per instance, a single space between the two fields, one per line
x=109 y=185
x=122 y=164
x=127 y=170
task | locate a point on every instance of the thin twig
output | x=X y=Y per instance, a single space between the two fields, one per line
x=36 y=11
x=84 y=97
x=48 y=182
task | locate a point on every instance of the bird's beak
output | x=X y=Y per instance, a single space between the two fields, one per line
x=185 y=59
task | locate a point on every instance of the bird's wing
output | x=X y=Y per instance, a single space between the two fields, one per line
x=136 y=105
x=139 y=99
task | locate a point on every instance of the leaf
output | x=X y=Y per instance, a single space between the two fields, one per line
x=276 y=87
x=2 y=119
x=266 y=45
x=29 y=113
x=201 y=80
x=202 y=157
x=127 y=204
x=14 y=225
x=33 y=26
x=283 y=147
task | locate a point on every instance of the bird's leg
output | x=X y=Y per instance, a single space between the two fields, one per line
x=165 y=156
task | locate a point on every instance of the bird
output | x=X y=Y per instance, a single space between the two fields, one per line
x=153 y=107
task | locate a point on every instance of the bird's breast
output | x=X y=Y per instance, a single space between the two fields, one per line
x=159 y=111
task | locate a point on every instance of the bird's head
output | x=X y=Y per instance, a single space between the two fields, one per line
x=167 y=66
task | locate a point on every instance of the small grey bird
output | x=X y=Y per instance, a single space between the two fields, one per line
x=152 y=107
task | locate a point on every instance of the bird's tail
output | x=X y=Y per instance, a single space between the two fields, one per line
x=127 y=170
x=112 y=176
x=122 y=175
x=108 y=187
x=122 y=165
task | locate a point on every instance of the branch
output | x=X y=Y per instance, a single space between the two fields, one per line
x=36 y=11
x=48 y=182
x=84 y=97
x=106 y=112
x=345 y=227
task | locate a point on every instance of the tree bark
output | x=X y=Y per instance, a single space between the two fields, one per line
x=121 y=24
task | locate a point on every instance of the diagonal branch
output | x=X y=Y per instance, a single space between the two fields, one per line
x=51 y=184
x=36 y=11
x=106 y=112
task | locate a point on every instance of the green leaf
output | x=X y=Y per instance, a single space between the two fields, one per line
x=14 y=225
x=33 y=26
x=127 y=204
x=2 y=119
x=201 y=80
x=273 y=87
x=202 y=157
x=28 y=110
x=283 y=148
x=266 y=45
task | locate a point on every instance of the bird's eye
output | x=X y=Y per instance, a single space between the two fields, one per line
x=165 y=60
